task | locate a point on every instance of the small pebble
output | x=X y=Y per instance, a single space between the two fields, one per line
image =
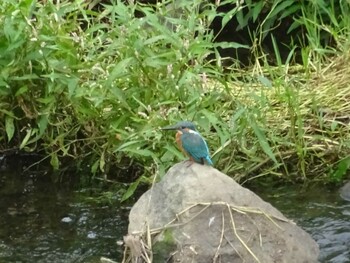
x=66 y=219
x=92 y=235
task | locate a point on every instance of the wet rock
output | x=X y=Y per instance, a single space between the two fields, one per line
x=345 y=191
x=198 y=214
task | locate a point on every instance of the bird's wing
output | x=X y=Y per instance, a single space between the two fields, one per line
x=195 y=145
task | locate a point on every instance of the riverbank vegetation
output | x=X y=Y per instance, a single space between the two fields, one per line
x=89 y=85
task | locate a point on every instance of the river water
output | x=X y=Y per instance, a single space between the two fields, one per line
x=42 y=221
x=321 y=212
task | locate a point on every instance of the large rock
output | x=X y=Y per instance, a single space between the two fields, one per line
x=198 y=214
x=345 y=191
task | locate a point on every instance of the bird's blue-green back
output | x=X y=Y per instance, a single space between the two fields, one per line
x=194 y=144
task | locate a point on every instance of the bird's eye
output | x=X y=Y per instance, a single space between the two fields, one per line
x=183 y=127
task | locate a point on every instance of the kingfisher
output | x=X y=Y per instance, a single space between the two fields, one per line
x=190 y=142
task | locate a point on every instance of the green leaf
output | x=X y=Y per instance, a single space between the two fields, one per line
x=21 y=90
x=240 y=19
x=155 y=39
x=119 y=70
x=334 y=126
x=145 y=153
x=25 y=77
x=125 y=145
x=140 y=103
x=263 y=141
x=245 y=21
x=102 y=162
x=26 y=138
x=95 y=166
x=257 y=9
x=227 y=17
x=10 y=127
x=293 y=26
x=46 y=100
x=72 y=84
x=119 y=95
x=172 y=149
x=290 y=11
x=54 y=161
x=133 y=186
x=230 y=45
x=238 y=114
x=42 y=124
x=269 y=23
x=212 y=117
x=342 y=168
x=9 y=113
x=283 y=6
x=265 y=81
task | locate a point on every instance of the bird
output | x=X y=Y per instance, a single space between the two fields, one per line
x=190 y=142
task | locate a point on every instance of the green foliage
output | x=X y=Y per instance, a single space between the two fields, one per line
x=315 y=26
x=165 y=244
x=341 y=170
x=95 y=87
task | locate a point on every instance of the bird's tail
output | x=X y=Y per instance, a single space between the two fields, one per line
x=209 y=161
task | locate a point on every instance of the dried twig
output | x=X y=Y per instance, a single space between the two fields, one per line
x=143 y=249
x=221 y=237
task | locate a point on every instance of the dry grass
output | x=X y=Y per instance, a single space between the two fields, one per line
x=304 y=114
x=138 y=245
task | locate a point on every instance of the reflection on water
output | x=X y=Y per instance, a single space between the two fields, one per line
x=43 y=222
x=322 y=213
x=40 y=222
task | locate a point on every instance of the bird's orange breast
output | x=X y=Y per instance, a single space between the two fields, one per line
x=179 y=142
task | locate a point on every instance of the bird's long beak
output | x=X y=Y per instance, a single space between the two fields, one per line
x=169 y=128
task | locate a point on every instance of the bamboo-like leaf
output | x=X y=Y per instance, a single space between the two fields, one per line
x=126 y=145
x=120 y=95
x=293 y=26
x=227 y=17
x=282 y=6
x=154 y=39
x=290 y=11
x=263 y=141
x=10 y=127
x=72 y=84
x=257 y=9
x=26 y=139
x=174 y=151
x=9 y=113
x=95 y=166
x=238 y=114
x=102 y=162
x=210 y=116
x=21 y=90
x=42 y=124
x=224 y=44
x=240 y=19
x=133 y=186
x=54 y=161
x=119 y=70
x=141 y=152
x=265 y=81
x=341 y=170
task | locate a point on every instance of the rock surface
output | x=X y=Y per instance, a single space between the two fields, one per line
x=201 y=215
x=345 y=191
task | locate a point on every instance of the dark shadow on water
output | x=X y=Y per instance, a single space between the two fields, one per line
x=42 y=221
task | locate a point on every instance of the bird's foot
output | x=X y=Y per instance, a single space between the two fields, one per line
x=189 y=163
